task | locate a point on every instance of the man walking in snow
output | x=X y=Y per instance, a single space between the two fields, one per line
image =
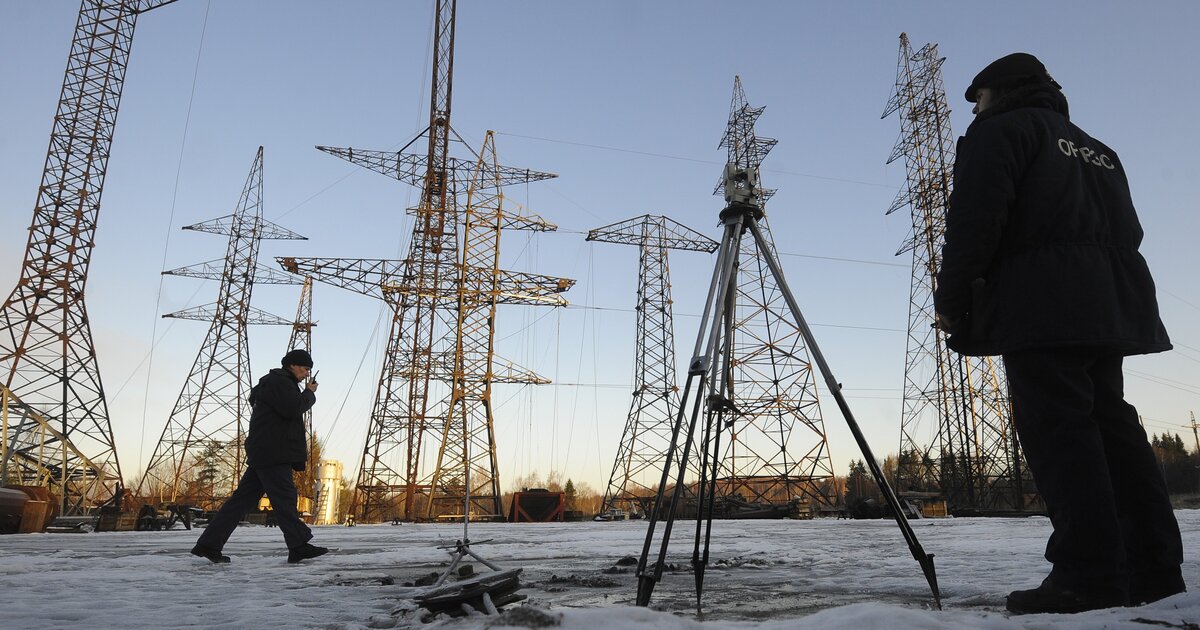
x=1041 y=265
x=275 y=446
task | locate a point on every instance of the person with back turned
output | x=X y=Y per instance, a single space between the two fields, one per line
x=275 y=446
x=1041 y=266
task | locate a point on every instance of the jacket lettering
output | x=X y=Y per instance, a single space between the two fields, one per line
x=1090 y=156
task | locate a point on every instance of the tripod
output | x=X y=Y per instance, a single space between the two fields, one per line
x=484 y=592
x=709 y=388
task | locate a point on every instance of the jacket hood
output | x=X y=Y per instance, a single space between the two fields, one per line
x=1041 y=95
x=269 y=375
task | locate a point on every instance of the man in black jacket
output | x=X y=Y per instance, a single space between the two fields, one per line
x=275 y=446
x=1041 y=265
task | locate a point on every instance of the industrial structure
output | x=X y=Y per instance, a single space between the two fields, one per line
x=412 y=410
x=329 y=493
x=48 y=364
x=466 y=469
x=956 y=434
x=778 y=451
x=710 y=407
x=308 y=483
x=200 y=456
x=646 y=439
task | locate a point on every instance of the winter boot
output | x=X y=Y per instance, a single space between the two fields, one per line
x=212 y=555
x=1052 y=598
x=304 y=552
x=1144 y=590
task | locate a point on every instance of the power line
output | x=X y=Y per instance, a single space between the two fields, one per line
x=630 y=310
x=860 y=261
x=1183 y=387
x=688 y=159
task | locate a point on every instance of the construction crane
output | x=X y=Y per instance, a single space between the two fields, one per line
x=199 y=457
x=646 y=439
x=47 y=356
x=778 y=451
x=956 y=433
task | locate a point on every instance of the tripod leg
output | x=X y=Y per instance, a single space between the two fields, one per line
x=719 y=404
x=835 y=388
x=649 y=576
x=704 y=511
x=700 y=366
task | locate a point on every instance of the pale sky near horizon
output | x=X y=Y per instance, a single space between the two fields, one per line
x=627 y=102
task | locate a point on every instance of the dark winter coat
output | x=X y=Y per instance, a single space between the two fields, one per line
x=277 y=422
x=1042 y=238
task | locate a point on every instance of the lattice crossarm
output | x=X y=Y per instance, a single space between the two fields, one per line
x=211 y=270
x=667 y=234
x=142 y=6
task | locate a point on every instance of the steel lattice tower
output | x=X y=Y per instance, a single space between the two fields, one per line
x=47 y=356
x=403 y=403
x=392 y=440
x=956 y=434
x=413 y=395
x=646 y=438
x=466 y=461
x=199 y=457
x=301 y=338
x=778 y=449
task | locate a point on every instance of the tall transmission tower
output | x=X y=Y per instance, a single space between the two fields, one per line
x=396 y=455
x=413 y=394
x=956 y=433
x=199 y=458
x=778 y=449
x=646 y=439
x=1195 y=430
x=47 y=356
x=402 y=401
x=466 y=462
x=301 y=338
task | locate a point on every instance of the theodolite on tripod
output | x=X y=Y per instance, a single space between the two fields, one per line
x=709 y=389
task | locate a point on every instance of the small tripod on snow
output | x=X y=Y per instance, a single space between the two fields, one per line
x=482 y=593
x=709 y=388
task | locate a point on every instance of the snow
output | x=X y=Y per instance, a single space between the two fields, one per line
x=829 y=574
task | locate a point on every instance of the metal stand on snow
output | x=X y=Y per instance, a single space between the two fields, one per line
x=483 y=593
x=709 y=388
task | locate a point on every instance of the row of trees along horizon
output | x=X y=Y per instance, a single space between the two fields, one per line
x=1180 y=469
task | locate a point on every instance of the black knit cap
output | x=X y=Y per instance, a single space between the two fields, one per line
x=1010 y=70
x=297 y=357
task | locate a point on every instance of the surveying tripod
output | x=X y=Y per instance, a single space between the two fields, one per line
x=710 y=389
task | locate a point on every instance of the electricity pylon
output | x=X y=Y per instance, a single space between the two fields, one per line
x=778 y=449
x=402 y=416
x=466 y=476
x=956 y=432
x=396 y=455
x=301 y=338
x=199 y=458
x=47 y=356
x=413 y=395
x=646 y=438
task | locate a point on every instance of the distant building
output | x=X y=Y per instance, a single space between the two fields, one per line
x=329 y=490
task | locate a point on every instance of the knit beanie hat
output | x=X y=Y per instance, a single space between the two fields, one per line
x=1010 y=70
x=297 y=357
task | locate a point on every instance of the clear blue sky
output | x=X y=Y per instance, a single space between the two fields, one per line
x=627 y=101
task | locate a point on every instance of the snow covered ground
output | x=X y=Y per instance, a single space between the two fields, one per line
x=848 y=575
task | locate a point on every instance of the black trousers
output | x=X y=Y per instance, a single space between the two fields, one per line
x=276 y=482
x=1114 y=528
